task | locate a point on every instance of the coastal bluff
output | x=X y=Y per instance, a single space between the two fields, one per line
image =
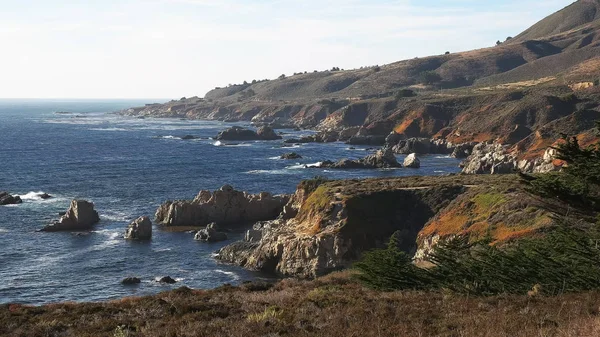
x=327 y=225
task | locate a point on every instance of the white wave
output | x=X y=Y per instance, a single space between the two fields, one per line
x=299 y=166
x=275 y=158
x=220 y=143
x=439 y=171
x=162 y=250
x=110 y=129
x=2 y=230
x=268 y=172
x=115 y=216
x=179 y=279
x=113 y=239
x=32 y=196
x=228 y=273
x=442 y=157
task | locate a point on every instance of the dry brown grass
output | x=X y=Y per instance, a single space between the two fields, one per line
x=330 y=306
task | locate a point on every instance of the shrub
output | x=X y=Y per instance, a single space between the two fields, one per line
x=405 y=93
x=429 y=77
x=579 y=183
x=566 y=260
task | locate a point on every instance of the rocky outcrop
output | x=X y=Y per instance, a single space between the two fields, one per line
x=402 y=145
x=226 y=207
x=490 y=158
x=335 y=223
x=292 y=155
x=321 y=137
x=266 y=133
x=383 y=158
x=210 y=234
x=80 y=216
x=366 y=140
x=411 y=161
x=238 y=133
x=167 y=280
x=7 y=199
x=131 y=281
x=139 y=229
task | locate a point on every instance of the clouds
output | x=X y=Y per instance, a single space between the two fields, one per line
x=174 y=48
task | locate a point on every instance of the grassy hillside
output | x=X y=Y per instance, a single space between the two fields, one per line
x=330 y=306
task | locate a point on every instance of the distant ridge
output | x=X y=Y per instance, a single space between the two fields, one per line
x=573 y=16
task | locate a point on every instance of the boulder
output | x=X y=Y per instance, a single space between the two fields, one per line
x=412 y=161
x=413 y=145
x=167 y=280
x=237 y=133
x=80 y=216
x=189 y=137
x=292 y=155
x=7 y=199
x=139 y=229
x=383 y=158
x=210 y=234
x=131 y=281
x=266 y=133
x=225 y=206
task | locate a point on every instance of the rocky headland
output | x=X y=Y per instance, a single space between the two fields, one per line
x=327 y=225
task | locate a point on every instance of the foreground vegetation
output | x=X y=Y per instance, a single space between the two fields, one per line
x=335 y=305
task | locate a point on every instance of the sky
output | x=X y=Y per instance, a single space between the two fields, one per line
x=175 y=48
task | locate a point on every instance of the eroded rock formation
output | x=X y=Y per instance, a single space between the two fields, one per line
x=139 y=229
x=383 y=158
x=225 y=207
x=80 y=216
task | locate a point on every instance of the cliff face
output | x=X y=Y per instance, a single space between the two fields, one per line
x=327 y=225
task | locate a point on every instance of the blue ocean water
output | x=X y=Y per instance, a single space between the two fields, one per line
x=128 y=167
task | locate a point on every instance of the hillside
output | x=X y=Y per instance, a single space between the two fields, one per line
x=330 y=306
x=542 y=82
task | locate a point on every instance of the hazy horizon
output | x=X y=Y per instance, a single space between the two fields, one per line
x=173 y=48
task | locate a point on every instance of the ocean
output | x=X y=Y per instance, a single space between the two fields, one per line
x=128 y=166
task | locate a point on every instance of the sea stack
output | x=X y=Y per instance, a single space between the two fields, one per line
x=140 y=229
x=79 y=217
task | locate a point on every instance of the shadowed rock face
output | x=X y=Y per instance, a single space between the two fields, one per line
x=327 y=227
x=140 y=229
x=7 y=199
x=80 y=216
x=241 y=134
x=383 y=158
x=225 y=206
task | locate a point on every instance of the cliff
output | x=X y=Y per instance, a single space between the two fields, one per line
x=328 y=224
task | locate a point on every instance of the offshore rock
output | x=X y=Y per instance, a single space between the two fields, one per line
x=383 y=158
x=7 y=199
x=411 y=161
x=266 y=133
x=210 y=234
x=292 y=155
x=139 y=229
x=225 y=206
x=80 y=216
x=237 y=133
